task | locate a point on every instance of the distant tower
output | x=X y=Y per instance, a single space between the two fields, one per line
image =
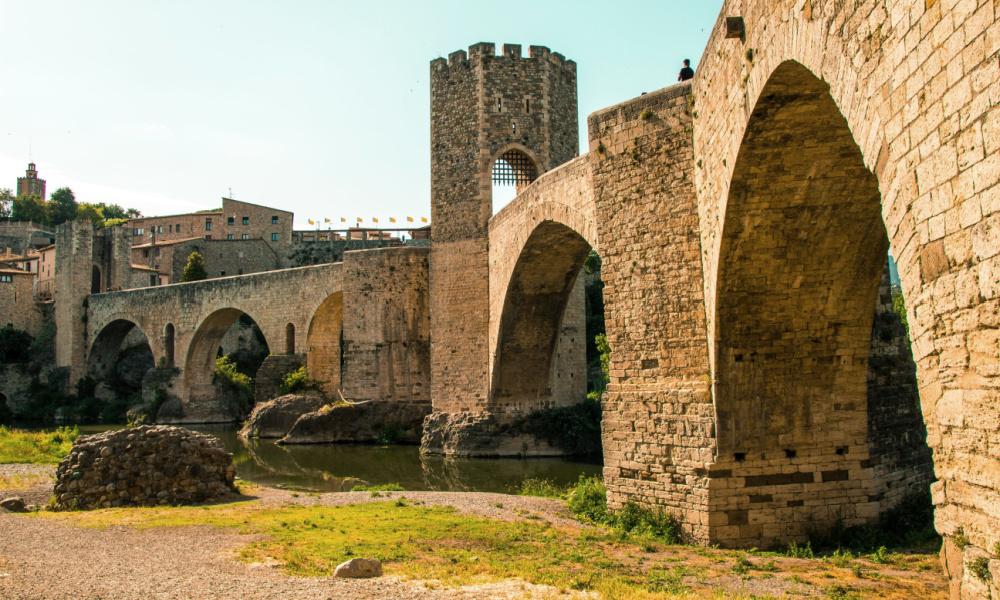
x=506 y=119
x=30 y=184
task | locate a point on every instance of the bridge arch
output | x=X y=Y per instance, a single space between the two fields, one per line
x=324 y=343
x=203 y=349
x=538 y=244
x=106 y=349
x=536 y=307
x=802 y=250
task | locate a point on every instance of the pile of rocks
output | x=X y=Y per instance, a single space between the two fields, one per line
x=144 y=466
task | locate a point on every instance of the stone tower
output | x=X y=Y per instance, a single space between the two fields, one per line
x=30 y=184
x=484 y=107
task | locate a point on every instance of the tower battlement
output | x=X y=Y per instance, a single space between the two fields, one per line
x=482 y=51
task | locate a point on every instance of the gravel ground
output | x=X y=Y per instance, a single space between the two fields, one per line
x=45 y=559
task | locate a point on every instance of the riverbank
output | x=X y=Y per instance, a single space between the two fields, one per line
x=434 y=544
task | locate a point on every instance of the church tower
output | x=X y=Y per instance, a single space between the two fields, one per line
x=30 y=184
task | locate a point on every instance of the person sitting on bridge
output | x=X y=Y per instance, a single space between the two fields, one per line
x=687 y=72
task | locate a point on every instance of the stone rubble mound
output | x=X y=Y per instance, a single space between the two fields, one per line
x=144 y=466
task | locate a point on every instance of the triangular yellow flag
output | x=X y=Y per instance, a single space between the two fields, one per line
x=392 y=219
x=325 y=220
x=311 y=222
x=343 y=219
x=423 y=219
x=374 y=219
x=409 y=219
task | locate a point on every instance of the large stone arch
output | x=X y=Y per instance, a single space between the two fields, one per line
x=802 y=255
x=199 y=364
x=103 y=353
x=324 y=343
x=920 y=108
x=537 y=247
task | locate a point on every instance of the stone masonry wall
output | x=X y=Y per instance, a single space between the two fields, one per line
x=386 y=325
x=917 y=83
x=195 y=309
x=481 y=106
x=659 y=425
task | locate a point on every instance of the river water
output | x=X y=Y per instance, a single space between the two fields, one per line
x=339 y=467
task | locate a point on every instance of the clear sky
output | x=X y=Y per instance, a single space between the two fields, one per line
x=319 y=107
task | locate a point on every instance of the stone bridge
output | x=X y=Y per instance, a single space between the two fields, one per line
x=743 y=220
x=367 y=340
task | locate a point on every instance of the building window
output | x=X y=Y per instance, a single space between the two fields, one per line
x=208 y=224
x=170 y=228
x=245 y=236
x=145 y=252
x=208 y=236
x=154 y=280
x=274 y=220
x=246 y=220
x=222 y=273
x=230 y=236
x=159 y=229
x=6 y=278
x=177 y=228
x=156 y=252
x=274 y=237
x=230 y=220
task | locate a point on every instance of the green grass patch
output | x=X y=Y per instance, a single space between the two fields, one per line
x=543 y=488
x=38 y=447
x=382 y=487
x=423 y=542
x=587 y=499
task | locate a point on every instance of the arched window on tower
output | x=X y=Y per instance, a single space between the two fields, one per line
x=512 y=172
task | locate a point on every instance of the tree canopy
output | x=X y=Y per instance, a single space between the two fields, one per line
x=194 y=270
x=61 y=208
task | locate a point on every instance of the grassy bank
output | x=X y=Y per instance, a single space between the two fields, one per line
x=37 y=447
x=442 y=545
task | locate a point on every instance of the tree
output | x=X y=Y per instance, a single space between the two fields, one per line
x=6 y=202
x=194 y=270
x=30 y=208
x=62 y=206
x=14 y=345
x=90 y=212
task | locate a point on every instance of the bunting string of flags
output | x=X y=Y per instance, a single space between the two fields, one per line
x=360 y=220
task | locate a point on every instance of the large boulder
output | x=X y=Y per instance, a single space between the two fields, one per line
x=144 y=466
x=274 y=418
x=380 y=421
x=482 y=434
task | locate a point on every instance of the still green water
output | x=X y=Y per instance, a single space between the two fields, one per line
x=339 y=467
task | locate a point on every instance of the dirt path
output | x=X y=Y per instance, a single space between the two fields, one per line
x=46 y=559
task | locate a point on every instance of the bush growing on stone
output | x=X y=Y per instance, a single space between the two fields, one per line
x=297 y=381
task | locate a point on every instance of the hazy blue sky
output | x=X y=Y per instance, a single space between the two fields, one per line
x=320 y=107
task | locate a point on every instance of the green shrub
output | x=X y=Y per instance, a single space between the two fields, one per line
x=980 y=568
x=796 y=551
x=587 y=499
x=237 y=384
x=541 y=487
x=297 y=381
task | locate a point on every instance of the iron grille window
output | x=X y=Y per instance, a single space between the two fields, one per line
x=514 y=168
